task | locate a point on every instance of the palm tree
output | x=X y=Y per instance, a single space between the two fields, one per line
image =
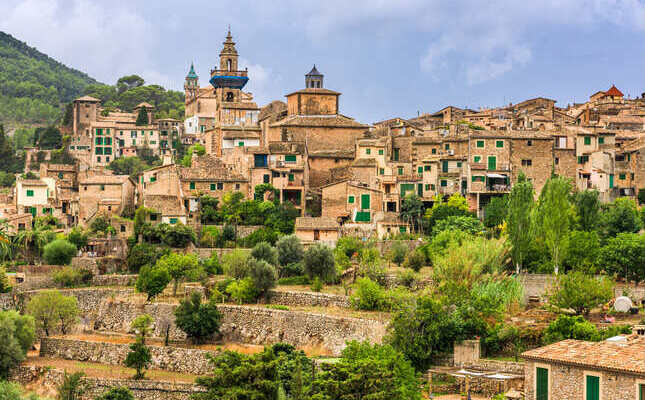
x=32 y=241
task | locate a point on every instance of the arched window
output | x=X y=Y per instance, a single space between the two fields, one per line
x=229 y=96
x=229 y=64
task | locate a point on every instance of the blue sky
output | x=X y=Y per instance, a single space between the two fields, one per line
x=388 y=58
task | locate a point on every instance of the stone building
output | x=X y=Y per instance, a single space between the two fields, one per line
x=613 y=369
x=317 y=229
x=105 y=195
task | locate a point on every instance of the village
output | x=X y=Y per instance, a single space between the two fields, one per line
x=493 y=253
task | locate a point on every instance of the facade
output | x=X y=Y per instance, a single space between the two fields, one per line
x=317 y=229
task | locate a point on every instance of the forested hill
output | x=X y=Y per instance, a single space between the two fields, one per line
x=33 y=86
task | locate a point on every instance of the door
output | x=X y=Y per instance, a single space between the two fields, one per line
x=365 y=202
x=593 y=387
x=316 y=234
x=492 y=163
x=541 y=384
x=420 y=189
x=444 y=166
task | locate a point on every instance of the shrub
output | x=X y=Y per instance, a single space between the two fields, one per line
x=142 y=254
x=59 y=252
x=264 y=251
x=316 y=285
x=349 y=245
x=291 y=270
x=211 y=237
x=277 y=307
x=294 y=280
x=264 y=234
x=576 y=327
x=461 y=223
x=581 y=292
x=73 y=386
x=212 y=265
x=72 y=277
x=242 y=290
x=407 y=278
x=415 y=261
x=138 y=358
x=290 y=250
x=152 y=280
x=369 y=296
x=100 y=223
x=228 y=233
x=583 y=251
x=178 y=236
x=319 y=262
x=197 y=320
x=78 y=238
x=17 y=334
x=398 y=252
x=51 y=309
x=262 y=274
x=624 y=256
x=180 y=267
x=5 y=286
x=117 y=393
x=234 y=263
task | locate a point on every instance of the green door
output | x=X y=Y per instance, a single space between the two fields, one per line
x=593 y=387
x=492 y=163
x=365 y=202
x=444 y=166
x=541 y=384
x=611 y=181
x=420 y=189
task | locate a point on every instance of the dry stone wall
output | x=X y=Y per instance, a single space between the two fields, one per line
x=295 y=298
x=169 y=358
x=141 y=389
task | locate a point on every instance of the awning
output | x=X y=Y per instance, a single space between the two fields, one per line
x=496 y=176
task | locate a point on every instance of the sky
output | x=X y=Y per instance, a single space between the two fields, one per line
x=393 y=58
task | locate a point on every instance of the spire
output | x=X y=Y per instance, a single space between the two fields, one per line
x=314 y=79
x=191 y=73
x=229 y=44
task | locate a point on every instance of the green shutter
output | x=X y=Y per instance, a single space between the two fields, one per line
x=395 y=154
x=290 y=158
x=152 y=179
x=499 y=144
x=477 y=159
x=587 y=140
x=593 y=387
x=380 y=152
x=400 y=170
x=192 y=185
x=427 y=167
x=213 y=186
x=173 y=220
x=444 y=166
x=420 y=170
x=611 y=181
x=368 y=151
x=601 y=140
x=444 y=183
x=541 y=384
x=420 y=189
x=33 y=211
x=291 y=177
x=350 y=200
x=434 y=151
x=30 y=193
x=365 y=202
x=363 y=216
x=266 y=179
x=621 y=177
x=447 y=146
x=402 y=229
x=480 y=143
x=492 y=163
x=381 y=171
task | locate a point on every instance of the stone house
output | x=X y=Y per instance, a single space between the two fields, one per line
x=613 y=369
x=317 y=229
x=167 y=209
x=34 y=196
x=353 y=201
x=105 y=194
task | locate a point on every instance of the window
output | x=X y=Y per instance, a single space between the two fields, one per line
x=98 y=140
x=30 y=193
x=122 y=228
x=480 y=144
x=601 y=140
x=427 y=187
x=432 y=187
x=240 y=144
x=583 y=159
x=153 y=217
x=133 y=134
x=290 y=158
x=220 y=186
x=444 y=166
x=98 y=159
x=427 y=167
x=592 y=387
x=447 y=146
x=192 y=185
x=395 y=154
x=380 y=152
x=237 y=186
x=107 y=150
x=153 y=142
x=365 y=201
x=541 y=384
x=400 y=170
x=587 y=140
x=499 y=144
x=102 y=187
x=60 y=175
x=492 y=163
x=153 y=179
x=434 y=151
x=381 y=171
x=562 y=142
x=444 y=183
x=213 y=186
x=458 y=164
x=98 y=150
x=611 y=181
x=120 y=133
x=173 y=220
x=266 y=178
x=107 y=141
x=476 y=178
x=368 y=151
x=107 y=159
x=556 y=161
x=99 y=131
x=291 y=178
x=350 y=200
x=420 y=170
x=529 y=143
x=477 y=159
x=134 y=142
x=622 y=177
x=527 y=163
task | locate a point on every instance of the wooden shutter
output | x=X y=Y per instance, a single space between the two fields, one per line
x=593 y=387
x=365 y=201
x=541 y=384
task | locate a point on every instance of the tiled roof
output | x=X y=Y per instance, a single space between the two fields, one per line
x=364 y=162
x=322 y=223
x=104 y=180
x=241 y=135
x=314 y=91
x=165 y=204
x=287 y=147
x=33 y=182
x=619 y=356
x=327 y=121
x=613 y=91
x=209 y=168
x=144 y=104
x=88 y=98
x=348 y=154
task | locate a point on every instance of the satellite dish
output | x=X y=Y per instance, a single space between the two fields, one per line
x=622 y=304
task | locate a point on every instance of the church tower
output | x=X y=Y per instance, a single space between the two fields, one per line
x=228 y=56
x=228 y=80
x=314 y=79
x=191 y=86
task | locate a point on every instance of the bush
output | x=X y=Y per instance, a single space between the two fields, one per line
x=52 y=310
x=291 y=270
x=349 y=245
x=178 y=236
x=242 y=291
x=152 y=280
x=73 y=386
x=116 y=393
x=319 y=262
x=265 y=234
x=294 y=280
x=624 y=256
x=461 y=223
x=583 y=251
x=142 y=254
x=369 y=296
x=5 y=286
x=72 y=277
x=262 y=274
x=228 y=233
x=398 y=252
x=264 y=251
x=581 y=292
x=290 y=250
x=197 y=320
x=316 y=285
x=59 y=252
x=277 y=307
x=576 y=327
x=415 y=261
x=211 y=237
x=17 y=334
x=407 y=278
x=234 y=263
x=77 y=237
x=212 y=265
x=138 y=358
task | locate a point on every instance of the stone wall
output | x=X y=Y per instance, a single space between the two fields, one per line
x=509 y=367
x=205 y=252
x=176 y=359
x=540 y=284
x=295 y=298
x=142 y=389
x=466 y=352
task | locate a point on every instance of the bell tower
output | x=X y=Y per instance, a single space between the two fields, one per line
x=314 y=79
x=191 y=85
x=228 y=55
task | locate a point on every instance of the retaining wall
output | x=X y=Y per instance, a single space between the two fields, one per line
x=295 y=298
x=169 y=358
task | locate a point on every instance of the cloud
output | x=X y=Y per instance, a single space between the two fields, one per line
x=263 y=82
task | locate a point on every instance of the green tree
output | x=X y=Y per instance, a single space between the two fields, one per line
x=178 y=235
x=456 y=205
x=587 y=204
x=581 y=292
x=242 y=290
x=412 y=209
x=141 y=326
x=583 y=251
x=138 y=358
x=142 y=117
x=369 y=296
x=462 y=223
x=48 y=138
x=128 y=82
x=59 y=252
x=142 y=254
x=621 y=216
x=264 y=251
x=78 y=237
x=180 y=267
x=624 y=256
x=234 y=263
x=262 y=274
x=554 y=217
x=366 y=371
x=495 y=212
x=152 y=280
x=131 y=166
x=415 y=261
x=17 y=334
x=397 y=252
x=520 y=208
x=290 y=250
x=319 y=262
x=5 y=286
x=52 y=309
x=197 y=320
x=117 y=393
x=73 y=387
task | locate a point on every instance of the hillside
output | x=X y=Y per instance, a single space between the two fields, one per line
x=33 y=86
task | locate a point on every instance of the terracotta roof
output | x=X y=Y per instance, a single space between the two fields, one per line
x=348 y=154
x=241 y=135
x=144 y=104
x=619 y=356
x=88 y=98
x=104 y=180
x=314 y=91
x=613 y=91
x=274 y=108
x=287 y=147
x=165 y=204
x=321 y=223
x=209 y=168
x=33 y=182
x=61 y=167
x=328 y=121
